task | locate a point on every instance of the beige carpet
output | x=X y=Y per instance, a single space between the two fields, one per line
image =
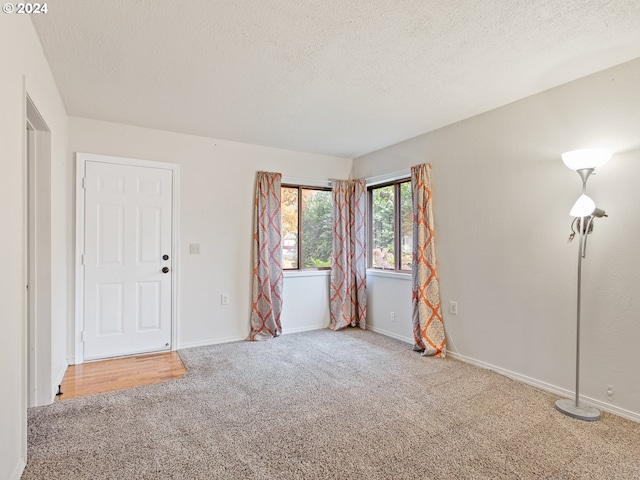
x=325 y=404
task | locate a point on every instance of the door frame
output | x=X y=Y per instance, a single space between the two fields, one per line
x=37 y=211
x=81 y=161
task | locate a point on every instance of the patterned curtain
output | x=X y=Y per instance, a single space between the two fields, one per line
x=348 y=295
x=428 y=327
x=267 y=259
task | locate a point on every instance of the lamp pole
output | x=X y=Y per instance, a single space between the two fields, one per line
x=574 y=409
x=579 y=303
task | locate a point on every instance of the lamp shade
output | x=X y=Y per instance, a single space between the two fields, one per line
x=583 y=207
x=586 y=158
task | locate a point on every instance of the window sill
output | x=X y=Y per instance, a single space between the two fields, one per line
x=306 y=273
x=383 y=273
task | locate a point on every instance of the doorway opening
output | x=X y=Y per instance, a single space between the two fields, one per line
x=40 y=390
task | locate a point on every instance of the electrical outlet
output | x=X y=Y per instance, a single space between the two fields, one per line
x=610 y=390
x=224 y=299
x=393 y=317
x=194 y=249
x=453 y=307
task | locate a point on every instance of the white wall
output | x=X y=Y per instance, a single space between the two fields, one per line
x=21 y=58
x=388 y=292
x=501 y=203
x=306 y=301
x=217 y=183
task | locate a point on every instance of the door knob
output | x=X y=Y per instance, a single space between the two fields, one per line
x=165 y=257
x=165 y=269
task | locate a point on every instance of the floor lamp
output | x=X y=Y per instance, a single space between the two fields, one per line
x=584 y=211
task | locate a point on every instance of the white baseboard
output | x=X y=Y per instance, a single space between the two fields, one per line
x=381 y=331
x=17 y=472
x=218 y=341
x=303 y=329
x=211 y=341
x=563 y=392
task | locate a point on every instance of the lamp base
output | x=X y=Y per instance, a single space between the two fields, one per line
x=581 y=412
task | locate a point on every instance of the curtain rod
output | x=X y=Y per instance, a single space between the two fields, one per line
x=374 y=180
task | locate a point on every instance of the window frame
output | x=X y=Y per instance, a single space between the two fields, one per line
x=301 y=187
x=397 y=225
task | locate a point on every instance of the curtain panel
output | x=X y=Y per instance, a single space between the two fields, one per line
x=348 y=295
x=428 y=327
x=267 y=259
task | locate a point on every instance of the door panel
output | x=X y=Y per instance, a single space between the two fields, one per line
x=149 y=245
x=110 y=235
x=110 y=309
x=149 y=306
x=127 y=231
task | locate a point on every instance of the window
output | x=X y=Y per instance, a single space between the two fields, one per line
x=391 y=226
x=306 y=227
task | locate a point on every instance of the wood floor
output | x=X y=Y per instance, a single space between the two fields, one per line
x=120 y=373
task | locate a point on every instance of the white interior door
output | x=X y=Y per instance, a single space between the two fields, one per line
x=127 y=259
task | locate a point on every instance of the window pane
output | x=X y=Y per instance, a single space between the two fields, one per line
x=289 y=204
x=382 y=206
x=406 y=226
x=316 y=228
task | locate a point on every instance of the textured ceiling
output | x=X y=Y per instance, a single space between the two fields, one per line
x=340 y=77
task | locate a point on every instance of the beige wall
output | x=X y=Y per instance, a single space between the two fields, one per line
x=22 y=60
x=502 y=198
